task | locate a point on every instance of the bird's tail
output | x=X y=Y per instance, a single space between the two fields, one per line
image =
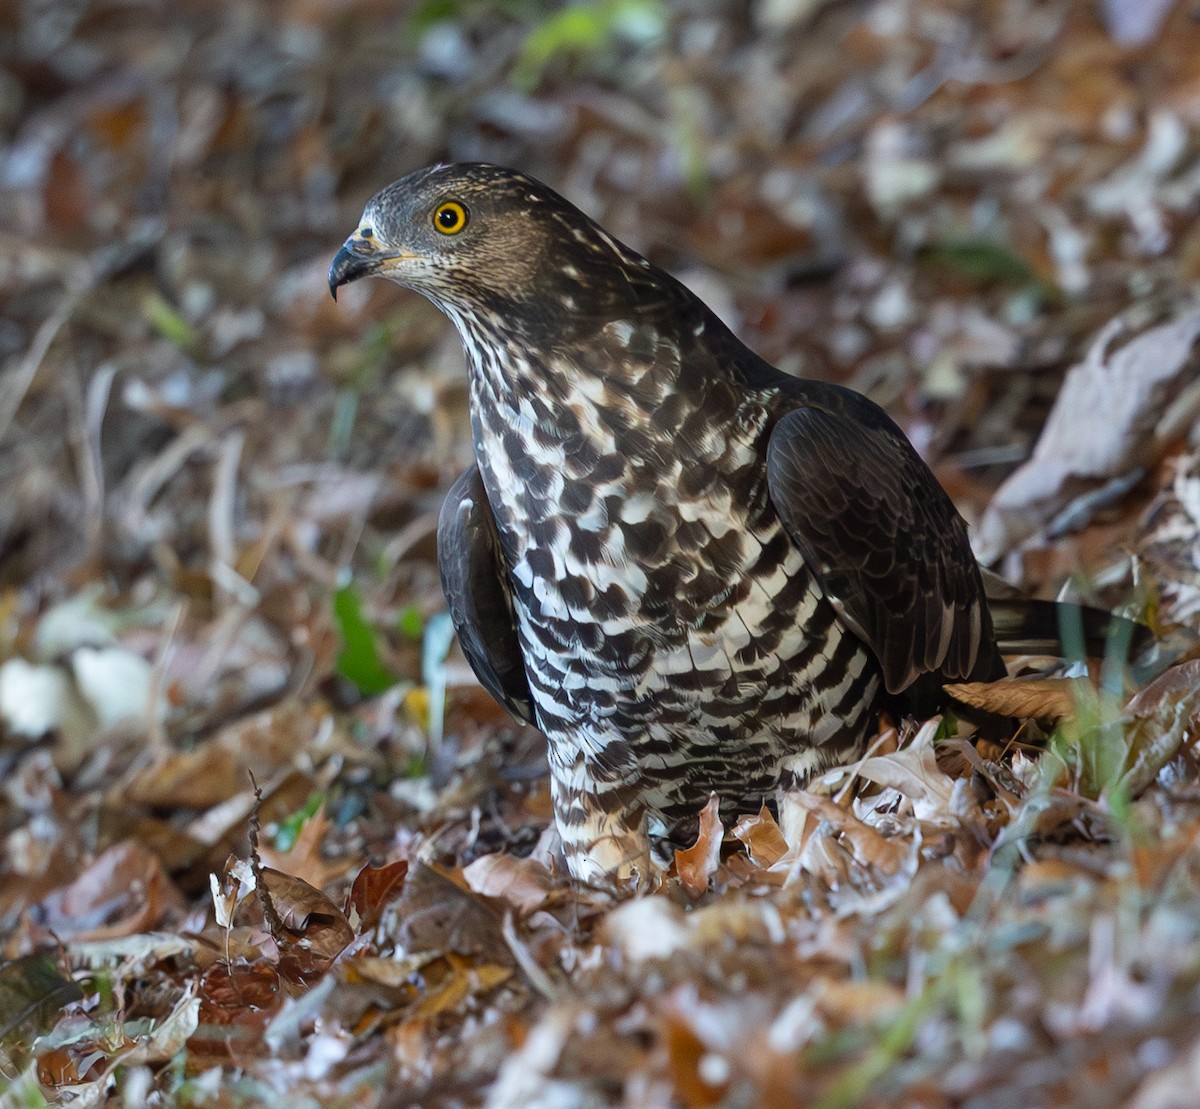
x=1060 y=628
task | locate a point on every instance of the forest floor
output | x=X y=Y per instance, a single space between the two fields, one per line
x=266 y=841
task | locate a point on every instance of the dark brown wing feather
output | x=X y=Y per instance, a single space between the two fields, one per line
x=886 y=542
x=476 y=588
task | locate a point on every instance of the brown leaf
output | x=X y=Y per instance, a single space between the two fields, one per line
x=1124 y=391
x=868 y=847
x=1166 y=715
x=524 y=883
x=123 y=892
x=685 y=1055
x=239 y=994
x=1174 y=684
x=310 y=930
x=465 y=980
x=1025 y=698
x=695 y=865
x=374 y=888
x=762 y=837
x=435 y=914
x=219 y=768
x=304 y=859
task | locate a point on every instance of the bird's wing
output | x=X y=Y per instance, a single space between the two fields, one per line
x=887 y=544
x=476 y=588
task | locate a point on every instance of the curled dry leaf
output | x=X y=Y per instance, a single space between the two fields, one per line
x=123 y=892
x=913 y=772
x=763 y=839
x=524 y=883
x=1129 y=393
x=309 y=929
x=1026 y=699
x=1179 y=683
x=866 y=845
x=697 y=864
x=373 y=889
x=435 y=914
x=167 y=1038
x=1166 y=715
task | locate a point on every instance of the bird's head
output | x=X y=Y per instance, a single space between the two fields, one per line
x=477 y=236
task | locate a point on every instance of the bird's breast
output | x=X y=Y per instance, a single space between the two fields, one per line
x=614 y=519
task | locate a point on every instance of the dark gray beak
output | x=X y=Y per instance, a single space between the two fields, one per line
x=349 y=264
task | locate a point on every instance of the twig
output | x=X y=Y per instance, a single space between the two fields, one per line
x=13 y=390
x=538 y=978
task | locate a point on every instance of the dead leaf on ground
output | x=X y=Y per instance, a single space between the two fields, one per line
x=763 y=839
x=305 y=859
x=310 y=930
x=697 y=864
x=1130 y=392
x=525 y=884
x=465 y=979
x=912 y=771
x=1024 y=698
x=870 y=849
x=219 y=768
x=125 y=890
x=1166 y=715
x=373 y=889
x=435 y=914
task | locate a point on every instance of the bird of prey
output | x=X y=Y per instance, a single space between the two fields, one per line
x=693 y=572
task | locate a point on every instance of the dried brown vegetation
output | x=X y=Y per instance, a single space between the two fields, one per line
x=220 y=614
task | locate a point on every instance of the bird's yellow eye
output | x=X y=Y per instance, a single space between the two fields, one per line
x=450 y=217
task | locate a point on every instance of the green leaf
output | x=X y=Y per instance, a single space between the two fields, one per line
x=169 y=324
x=411 y=624
x=358 y=661
x=32 y=990
x=289 y=830
x=585 y=30
x=981 y=259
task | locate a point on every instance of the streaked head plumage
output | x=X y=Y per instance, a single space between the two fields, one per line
x=473 y=235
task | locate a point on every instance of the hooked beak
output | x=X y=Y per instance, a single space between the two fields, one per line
x=356 y=259
x=359 y=257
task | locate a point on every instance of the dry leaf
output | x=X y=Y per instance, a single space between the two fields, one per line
x=762 y=837
x=466 y=980
x=1128 y=393
x=868 y=847
x=374 y=888
x=168 y=1037
x=697 y=864
x=124 y=891
x=219 y=768
x=309 y=929
x=1177 y=683
x=435 y=914
x=1166 y=715
x=305 y=859
x=1024 y=698
x=524 y=883
x=913 y=772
